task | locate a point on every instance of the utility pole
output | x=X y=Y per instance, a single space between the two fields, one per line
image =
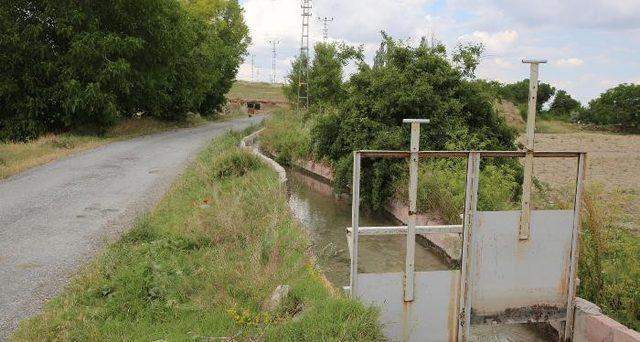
x=252 y=67
x=325 y=26
x=303 y=77
x=528 y=160
x=273 y=59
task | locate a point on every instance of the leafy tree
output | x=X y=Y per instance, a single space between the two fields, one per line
x=563 y=105
x=519 y=93
x=326 y=71
x=71 y=64
x=293 y=79
x=405 y=82
x=467 y=58
x=617 y=106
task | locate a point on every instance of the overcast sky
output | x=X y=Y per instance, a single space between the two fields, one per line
x=591 y=45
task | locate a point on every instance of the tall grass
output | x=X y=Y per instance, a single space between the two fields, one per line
x=441 y=188
x=609 y=268
x=200 y=266
x=287 y=136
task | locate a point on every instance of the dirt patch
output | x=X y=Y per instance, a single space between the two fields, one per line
x=613 y=161
x=511 y=114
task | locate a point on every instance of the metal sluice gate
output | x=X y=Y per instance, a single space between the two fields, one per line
x=515 y=266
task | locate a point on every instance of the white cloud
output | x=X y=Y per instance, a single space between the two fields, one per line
x=494 y=42
x=503 y=63
x=510 y=29
x=570 y=62
x=602 y=14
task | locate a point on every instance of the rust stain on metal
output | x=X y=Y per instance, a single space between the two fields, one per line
x=406 y=329
x=564 y=277
x=528 y=314
x=452 y=321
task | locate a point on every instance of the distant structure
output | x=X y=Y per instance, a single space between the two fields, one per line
x=303 y=77
x=325 y=26
x=274 y=56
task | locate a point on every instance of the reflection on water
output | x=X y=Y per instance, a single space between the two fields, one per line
x=326 y=218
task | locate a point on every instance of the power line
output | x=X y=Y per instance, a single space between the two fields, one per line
x=325 y=26
x=274 y=57
x=303 y=77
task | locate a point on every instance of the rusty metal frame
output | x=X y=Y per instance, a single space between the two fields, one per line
x=471 y=200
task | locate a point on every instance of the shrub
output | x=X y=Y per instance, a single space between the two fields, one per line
x=235 y=164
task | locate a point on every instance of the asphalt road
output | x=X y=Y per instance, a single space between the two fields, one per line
x=55 y=217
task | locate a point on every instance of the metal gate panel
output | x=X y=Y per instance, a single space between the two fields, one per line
x=521 y=280
x=431 y=316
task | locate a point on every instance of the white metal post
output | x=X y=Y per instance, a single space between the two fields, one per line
x=567 y=334
x=409 y=272
x=466 y=268
x=529 y=147
x=355 y=222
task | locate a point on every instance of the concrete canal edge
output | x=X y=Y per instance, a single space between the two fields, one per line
x=590 y=323
x=248 y=143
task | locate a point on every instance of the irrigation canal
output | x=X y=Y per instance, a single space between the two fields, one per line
x=325 y=217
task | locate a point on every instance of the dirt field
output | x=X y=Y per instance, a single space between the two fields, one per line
x=613 y=163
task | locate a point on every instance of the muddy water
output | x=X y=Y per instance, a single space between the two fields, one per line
x=326 y=217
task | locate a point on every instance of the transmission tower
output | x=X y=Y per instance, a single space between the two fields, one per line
x=325 y=26
x=252 y=68
x=273 y=59
x=303 y=77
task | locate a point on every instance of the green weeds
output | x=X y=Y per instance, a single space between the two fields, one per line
x=287 y=136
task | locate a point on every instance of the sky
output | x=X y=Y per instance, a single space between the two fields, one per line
x=590 y=45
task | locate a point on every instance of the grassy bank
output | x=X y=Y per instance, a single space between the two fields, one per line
x=202 y=264
x=17 y=157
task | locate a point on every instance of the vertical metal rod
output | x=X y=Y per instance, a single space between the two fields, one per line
x=466 y=268
x=567 y=334
x=528 y=161
x=411 y=221
x=355 y=222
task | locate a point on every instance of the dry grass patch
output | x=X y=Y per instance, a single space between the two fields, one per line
x=17 y=157
x=256 y=91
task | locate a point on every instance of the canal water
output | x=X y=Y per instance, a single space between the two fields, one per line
x=326 y=217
